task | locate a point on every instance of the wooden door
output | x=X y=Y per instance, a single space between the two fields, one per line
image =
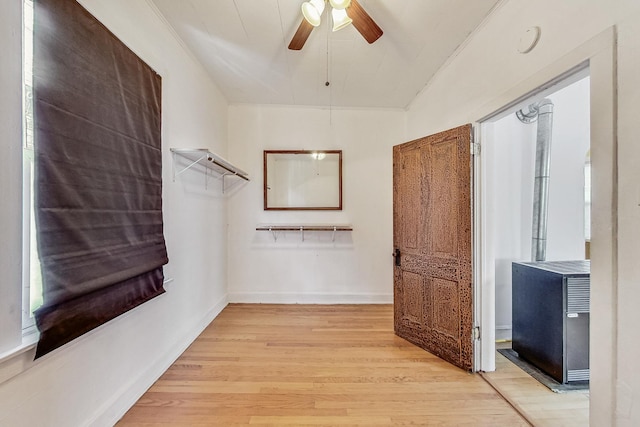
x=432 y=244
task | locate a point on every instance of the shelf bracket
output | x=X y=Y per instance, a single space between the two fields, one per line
x=193 y=163
x=224 y=182
x=225 y=187
x=274 y=233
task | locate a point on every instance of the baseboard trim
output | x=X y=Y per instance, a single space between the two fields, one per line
x=503 y=333
x=294 y=298
x=128 y=395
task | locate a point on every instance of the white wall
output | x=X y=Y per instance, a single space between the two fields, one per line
x=487 y=68
x=510 y=160
x=98 y=376
x=570 y=144
x=357 y=267
x=509 y=152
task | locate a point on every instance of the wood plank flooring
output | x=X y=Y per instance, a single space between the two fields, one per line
x=540 y=405
x=314 y=365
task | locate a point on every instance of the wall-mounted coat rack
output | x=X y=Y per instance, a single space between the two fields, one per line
x=276 y=229
x=211 y=162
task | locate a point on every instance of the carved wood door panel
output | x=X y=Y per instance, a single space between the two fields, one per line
x=433 y=305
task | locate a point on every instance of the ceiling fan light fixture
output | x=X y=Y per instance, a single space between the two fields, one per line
x=340 y=19
x=340 y=4
x=312 y=11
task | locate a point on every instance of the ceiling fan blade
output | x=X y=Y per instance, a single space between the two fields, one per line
x=363 y=22
x=301 y=35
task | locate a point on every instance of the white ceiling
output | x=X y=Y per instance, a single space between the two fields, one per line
x=243 y=46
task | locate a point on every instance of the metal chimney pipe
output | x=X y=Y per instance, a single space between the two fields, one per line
x=541 y=181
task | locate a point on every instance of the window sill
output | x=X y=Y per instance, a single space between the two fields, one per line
x=20 y=358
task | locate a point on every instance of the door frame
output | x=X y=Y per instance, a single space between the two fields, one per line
x=484 y=242
x=599 y=56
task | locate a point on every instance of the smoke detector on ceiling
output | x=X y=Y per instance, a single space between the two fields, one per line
x=529 y=40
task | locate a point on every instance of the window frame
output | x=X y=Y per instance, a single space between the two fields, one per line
x=17 y=346
x=29 y=257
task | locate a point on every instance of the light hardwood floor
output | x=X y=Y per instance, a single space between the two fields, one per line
x=540 y=405
x=285 y=365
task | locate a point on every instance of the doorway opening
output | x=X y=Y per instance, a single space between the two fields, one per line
x=509 y=150
x=536 y=185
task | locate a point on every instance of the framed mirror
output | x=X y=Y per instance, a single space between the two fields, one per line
x=303 y=180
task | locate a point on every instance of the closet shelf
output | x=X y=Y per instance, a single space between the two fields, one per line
x=276 y=228
x=210 y=161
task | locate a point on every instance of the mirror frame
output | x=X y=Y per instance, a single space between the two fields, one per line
x=303 y=208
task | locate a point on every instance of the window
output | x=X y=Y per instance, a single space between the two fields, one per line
x=97 y=175
x=31 y=273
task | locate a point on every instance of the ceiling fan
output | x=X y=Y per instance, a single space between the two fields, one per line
x=343 y=13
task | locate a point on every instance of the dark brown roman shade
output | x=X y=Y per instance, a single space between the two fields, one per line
x=98 y=174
